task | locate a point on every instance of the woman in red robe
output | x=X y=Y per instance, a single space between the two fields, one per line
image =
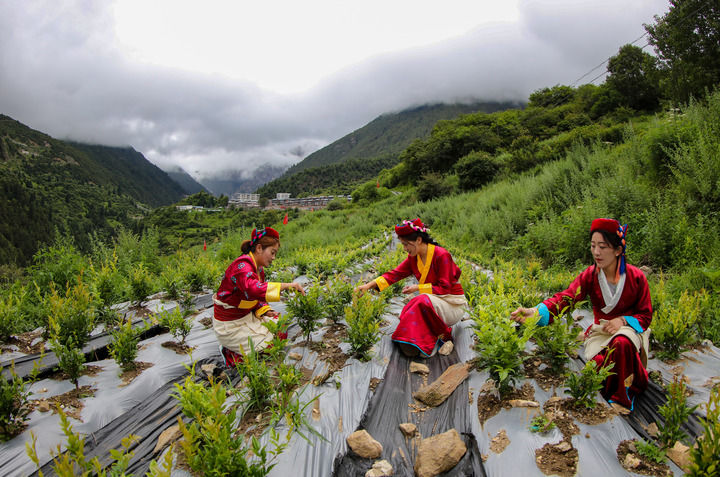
x=622 y=309
x=426 y=320
x=240 y=304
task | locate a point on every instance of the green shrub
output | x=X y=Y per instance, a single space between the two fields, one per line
x=14 y=402
x=71 y=360
x=72 y=317
x=10 y=315
x=675 y=413
x=650 y=451
x=557 y=341
x=363 y=325
x=178 y=324
x=210 y=445
x=541 y=424
x=57 y=266
x=475 y=170
x=171 y=282
x=307 y=310
x=258 y=380
x=674 y=324
x=337 y=294
x=140 y=284
x=704 y=454
x=123 y=347
x=72 y=462
x=499 y=347
x=584 y=386
x=433 y=185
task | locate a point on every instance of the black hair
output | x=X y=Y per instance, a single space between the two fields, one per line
x=423 y=235
x=613 y=239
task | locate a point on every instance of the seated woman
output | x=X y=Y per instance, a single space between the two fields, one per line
x=426 y=320
x=240 y=302
x=621 y=304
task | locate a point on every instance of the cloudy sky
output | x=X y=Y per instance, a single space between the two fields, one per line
x=221 y=85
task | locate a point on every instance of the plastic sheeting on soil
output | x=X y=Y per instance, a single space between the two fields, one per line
x=347 y=403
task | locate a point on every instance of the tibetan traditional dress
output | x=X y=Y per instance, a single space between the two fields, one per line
x=629 y=299
x=240 y=303
x=426 y=320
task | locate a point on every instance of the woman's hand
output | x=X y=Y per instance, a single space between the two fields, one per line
x=521 y=314
x=410 y=289
x=363 y=288
x=271 y=314
x=612 y=326
x=294 y=286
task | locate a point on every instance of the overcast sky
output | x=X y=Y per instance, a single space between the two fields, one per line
x=220 y=85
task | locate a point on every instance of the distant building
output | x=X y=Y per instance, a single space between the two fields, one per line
x=241 y=199
x=282 y=196
x=307 y=203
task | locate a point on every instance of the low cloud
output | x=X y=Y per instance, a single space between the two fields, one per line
x=61 y=73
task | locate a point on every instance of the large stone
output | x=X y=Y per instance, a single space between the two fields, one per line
x=680 y=454
x=446 y=348
x=438 y=454
x=419 y=368
x=380 y=468
x=437 y=392
x=169 y=435
x=408 y=429
x=631 y=461
x=362 y=443
x=523 y=403
x=208 y=369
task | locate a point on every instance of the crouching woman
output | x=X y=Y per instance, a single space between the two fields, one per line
x=426 y=320
x=622 y=312
x=240 y=304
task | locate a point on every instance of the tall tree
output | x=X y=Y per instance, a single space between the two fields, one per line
x=634 y=75
x=687 y=42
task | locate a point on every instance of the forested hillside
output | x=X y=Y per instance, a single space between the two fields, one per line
x=51 y=187
x=378 y=142
x=185 y=180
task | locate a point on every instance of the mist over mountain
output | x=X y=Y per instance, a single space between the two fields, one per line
x=185 y=180
x=232 y=181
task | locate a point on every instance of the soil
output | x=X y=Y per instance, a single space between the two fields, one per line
x=206 y=322
x=563 y=420
x=88 y=370
x=23 y=342
x=599 y=414
x=179 y=348
x=544 y=377
x=328 y=350
x=374 y=382
x=646 y=467
x=127 y=376
x=489 y=404
x=499 y=442
x=551 y=460
x=253 y=424
x=70 y=402
x=140 y=311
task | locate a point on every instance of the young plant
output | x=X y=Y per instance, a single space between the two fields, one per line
x=674 y=325
x=71 y=360
x=258 y=380
x=307 y=310
x=338 y=293
x=171 y=282
x=72 y=317
x=557 y=341
x=675 y=413
x=541 y=424
x=499 y=346
x=140 y=284
x=14 y=402
x=278 y=328
x=583 y=386
x=178 y=324
x=650 y=451
x=123 y=347
x=363 y=325
x=9 y=315
x=210 y=445
x=704 y=454
x=72 y=462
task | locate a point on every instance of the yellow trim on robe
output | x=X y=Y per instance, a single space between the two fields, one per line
x=425 y=288
x=273 y=291
x=246 y=305
x=381 y=283
x=424 y=268
x=252 y=257
x=261 y=311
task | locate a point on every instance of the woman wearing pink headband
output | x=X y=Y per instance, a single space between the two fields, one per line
x=621 y=305
x=240 y=303
x=426 y=320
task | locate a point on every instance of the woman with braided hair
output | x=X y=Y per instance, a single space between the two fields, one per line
x=426 y=320
x=622 y=310
x=240 y=304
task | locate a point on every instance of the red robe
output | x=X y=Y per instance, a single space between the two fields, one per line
x=243 y=288
x=635 y=306
x=420 y=325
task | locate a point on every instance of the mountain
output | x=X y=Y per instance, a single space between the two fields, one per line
x=50 y=187
x=384 y=137
x=234 y=181
x=185 y=180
